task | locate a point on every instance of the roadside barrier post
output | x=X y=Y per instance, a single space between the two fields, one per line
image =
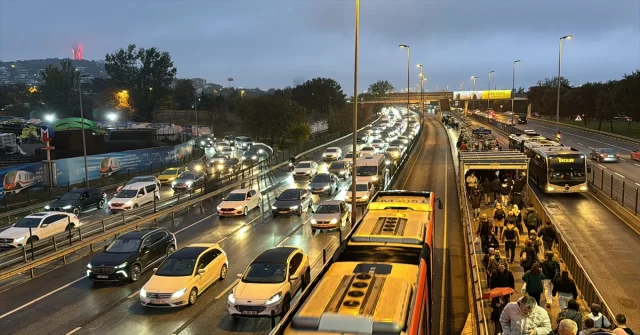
x=55 y=245
x=69 y=229
x=24 y=254
x=324 y=256
x=103 y=226
x=273 y=319
x=33 y=256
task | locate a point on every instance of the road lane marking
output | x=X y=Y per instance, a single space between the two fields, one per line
x=638 y=165
x=600 y=165
x=637 y=184
x=591 y=139
x=40 y=298
x=73 y=331
x=444 y=247
x=579 y=143
x=195 y=223
x=229 y=288
x=619 y=175
x=133 y=294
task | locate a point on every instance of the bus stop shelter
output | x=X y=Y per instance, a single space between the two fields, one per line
x=492 y=160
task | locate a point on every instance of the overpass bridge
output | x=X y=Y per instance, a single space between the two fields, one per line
x=415 y=97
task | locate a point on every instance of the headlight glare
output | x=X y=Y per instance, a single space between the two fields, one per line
x=334 y=221
x=232 y=299
x=122 y=266
x=294 y=207
x=67 y=207
x=143 y=293
x=178 y=294
x=275 y=298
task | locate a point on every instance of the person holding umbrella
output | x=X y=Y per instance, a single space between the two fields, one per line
x=499 y=298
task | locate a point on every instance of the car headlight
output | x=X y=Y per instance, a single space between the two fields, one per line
x=374 y=178
x=143 y=293
x=122 y=266
x=274 y=207
x=334 y=221
x=254 y=157
x=232 y=299
x=173 y=184
x=243 y=158
x=239 y=208
x=326 y=187
x=189 y=183
x=198 y=167
x=47 y=207
x=313 y=221
x=178 y=294
x=89 y=266
x=582 y=188
x=365 y=197
x=308 y=172
x=201 y=142
x=324 y=155
x=293 y=207
x=128 y=203
x=67 y=207
x=172 y=178
x=341 y=172
x=387 y=162
x=274 y=298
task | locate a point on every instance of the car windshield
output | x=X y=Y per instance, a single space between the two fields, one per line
x=321 y=178
x=28 y=223
x=125 y=194
x=188 y=175
x=249 y=154
x=71 y=196
x=265 y=273
x=377 y=141
x=289 y=195
x=349 y=155
x=304 y=165
x=337 y=165
x=362 y=187
x=332 y=150
x=217 y=156
x=607 y=151
x=235 y=197
x=365 y=171
x=170 y=172
x=323 y=209
x=368 y=149
x=227 y=149
x=176 y=267
x=140 y=179
x=124 y=245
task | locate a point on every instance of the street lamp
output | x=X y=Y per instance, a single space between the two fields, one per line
x=112 y=116
x=568 y=37
x=408 y=73
x=421 y=90
x=513 y=89
x=50 y=117
x=473 y=101
x=489 y=93
x=84 y=140
x=354 y=149
x=461 y=83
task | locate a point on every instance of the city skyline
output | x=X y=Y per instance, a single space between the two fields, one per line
x=283 y=40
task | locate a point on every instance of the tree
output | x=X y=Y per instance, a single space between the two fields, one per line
x=319 y=95
x=273 y=118
x=184 y=94
x=147 y=75
x=381 y=87
x=60 y=89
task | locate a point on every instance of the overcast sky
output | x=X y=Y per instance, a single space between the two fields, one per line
x=268 y=43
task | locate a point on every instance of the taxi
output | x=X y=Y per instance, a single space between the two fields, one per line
x=170 y=174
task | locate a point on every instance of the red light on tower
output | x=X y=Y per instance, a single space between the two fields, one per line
x=77 y=52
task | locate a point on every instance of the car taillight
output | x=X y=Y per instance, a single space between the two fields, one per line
x=75 y=217
x=603 y=155
x=618 y=155
x=104 y=194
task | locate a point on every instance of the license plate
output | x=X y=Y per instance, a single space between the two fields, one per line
x=4 y=245
x=102 y=277
x=283 y=212
x=157 y=302
x=249 y=313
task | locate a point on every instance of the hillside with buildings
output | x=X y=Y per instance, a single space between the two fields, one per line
x=28 y=71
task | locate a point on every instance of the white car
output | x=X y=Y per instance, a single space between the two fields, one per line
x=269 y=283
x=332 y=154
x=331 y=214
x=348 y=157
x=140 y=179
x=368 y=151
x=134 y=196
x=364 y=192
x=378 y=144
x=43 y=225
x=239 y=202
x=306 y=169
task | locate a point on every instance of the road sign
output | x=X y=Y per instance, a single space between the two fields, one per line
x=578 y=118
x=481 y=131
x=46 y=133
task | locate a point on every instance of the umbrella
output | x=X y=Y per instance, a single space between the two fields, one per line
x=497 y=292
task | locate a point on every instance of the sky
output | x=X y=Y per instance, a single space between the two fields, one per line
x=269 y=43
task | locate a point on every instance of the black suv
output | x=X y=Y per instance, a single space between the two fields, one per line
x=126 y=257
x=77 y=200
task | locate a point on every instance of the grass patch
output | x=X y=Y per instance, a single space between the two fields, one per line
x=622 y=128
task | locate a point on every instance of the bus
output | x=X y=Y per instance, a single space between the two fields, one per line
x=380 y=279
x=558 y=169
x=517 y=141
x=530 y=145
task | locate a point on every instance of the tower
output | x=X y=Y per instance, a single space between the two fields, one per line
x=77 y=51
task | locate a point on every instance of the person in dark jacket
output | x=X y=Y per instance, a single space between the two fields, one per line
x=550 y=268
x=533 y=278
x=486 y=190
x=497 y=306
x=572 y=312
x=548 y=235
x=528 y=256
x=566 y=289
x=495 y=187
x=489 y=241
x=476 y=200
x=484 y=226
x=516 y=199
x=518 y=185
x=503 y=277
x=505 y=190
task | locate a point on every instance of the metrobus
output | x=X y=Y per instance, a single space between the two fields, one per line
x=517 y=141
x=558 y=169
x=530 y=145
x=380 y=279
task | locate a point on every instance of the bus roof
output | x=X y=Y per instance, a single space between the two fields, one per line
x=556 y=151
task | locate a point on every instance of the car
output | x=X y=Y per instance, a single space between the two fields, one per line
x=231 y=140
x=205 y=142
x=605 y=155
x=184 y=276
x=228 y=151
x=378 y=144
x=131 y=254
x=188 y=181
x=221 y=145
x=368 y=151
x=250 y=157
x=292 y=201
x=227 y=165
x=324 y=183
x=305 y=169
x=269 y=283
x=399 y=144
x=216 y=159
x=362 y=138
x=635 y=154
x=404 y=139
x=141 y=179
x=239 y=202
x=341 y=169
x=348 y=157
x=77 y=200
x=395 y=152
x=134 y=195
x=198 y=165
x=243 y=142
x=332 y=154
x=364 y=192
x=331 y=214
x=37 y=226
x=170 y=174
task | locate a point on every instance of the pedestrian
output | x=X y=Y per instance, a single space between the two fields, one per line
x=525 y=317
x=505 y=190
x=572 y=312
x=509 y=182
x=510 y=217
x=486 y=190
x=511 y=238
x=566 y=289
x=551 y=270
x=518 y=185
x=548 y=235
x=463 y=146
x=528 y=256
x=567 y=327
x=516 y=199
x=472 y=182
x=497 y=306
x=536 y=241
x=599 y=320
x=476 y=200
x=531 y=219
x=502 y=277
x=498 y=218
x=487 y=256
x=492 y=266
x=495 y=187
x=533 y=282
x=484 y=226
x=489 y=241
x=588 y=327
x=518 y=213
x=622 y=329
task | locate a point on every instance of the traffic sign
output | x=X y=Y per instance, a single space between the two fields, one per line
x=481 y=131
x=578 y=118
x=46 y=133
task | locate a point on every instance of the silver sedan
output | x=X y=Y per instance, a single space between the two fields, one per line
x=605 y=155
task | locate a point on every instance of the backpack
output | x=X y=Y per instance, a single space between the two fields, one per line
x=510 y=234
x=499 y=215
x=556 y=275
x=532 y=219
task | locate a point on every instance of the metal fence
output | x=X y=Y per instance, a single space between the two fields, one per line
x=615 y=186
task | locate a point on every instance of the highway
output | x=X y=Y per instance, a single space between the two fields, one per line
x=605 y=245
x=63 y=300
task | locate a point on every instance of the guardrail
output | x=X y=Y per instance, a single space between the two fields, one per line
x=589 y=130
x=122 y=224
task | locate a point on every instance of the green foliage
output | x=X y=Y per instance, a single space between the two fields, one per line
x=184 y=94
x=274 y=118
x=147 y=75
x=318 y=96
x=381 y=87
x=60 y=89
x=298 y=132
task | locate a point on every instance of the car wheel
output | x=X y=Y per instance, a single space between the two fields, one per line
x=134 y=273
x=223 y=272
x=193 y=296
x=245 y=211
x=313 y=231
x=32 y=238
x=70 y=226
x=306 y=279
x=170 y=249
x=135 y=205
x=285 y=306
x=75 y=210
x=101 y=204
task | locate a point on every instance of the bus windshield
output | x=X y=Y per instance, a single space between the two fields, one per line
x=365 y=171
x=567 y=172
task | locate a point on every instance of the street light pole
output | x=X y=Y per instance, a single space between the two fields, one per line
x=513 y=89
x=195 y=107
x=421 y=90
x=489 y=92
x=84 y=141
x=568 y=37
x=408 y=74
x=355 y=120
x=473 y=101
x=462 y=82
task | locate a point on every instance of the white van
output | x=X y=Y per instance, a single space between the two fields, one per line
x=371 y=168
x=134 y=195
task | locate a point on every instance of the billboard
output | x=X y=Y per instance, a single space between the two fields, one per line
x=482 y=95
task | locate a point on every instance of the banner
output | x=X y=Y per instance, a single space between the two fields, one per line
x=482 y=95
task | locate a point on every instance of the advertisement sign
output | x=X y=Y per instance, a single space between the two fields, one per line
x=18 y=178
x=482 y=95
x=467 y=95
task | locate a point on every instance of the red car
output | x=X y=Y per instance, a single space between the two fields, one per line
x=635 y=154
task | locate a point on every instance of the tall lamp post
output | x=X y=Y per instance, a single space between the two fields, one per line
x=513 y=88
x=489 y=92
x=473 y=101
x=568 y=37
x=84 y=141
x=408 y=73
x=355 y=120
x=421 y=90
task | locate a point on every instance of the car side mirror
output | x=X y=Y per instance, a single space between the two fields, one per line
x=201 y=271
x=239 y=275
x=44 y=225
x=293 y=277
x=145 y=249
x=155 y=269
x=140 y=195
